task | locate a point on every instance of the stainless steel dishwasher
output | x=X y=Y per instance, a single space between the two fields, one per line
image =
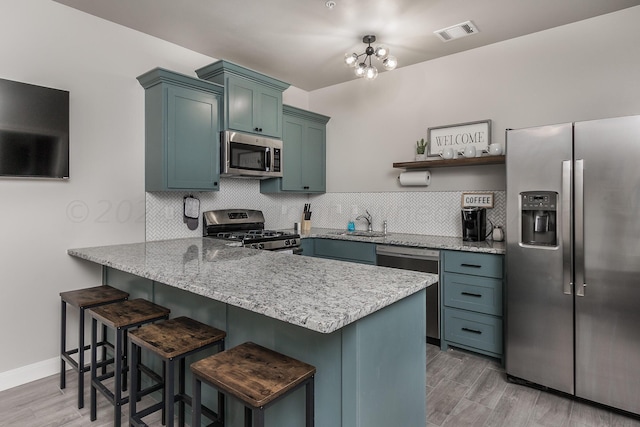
x=417 y=259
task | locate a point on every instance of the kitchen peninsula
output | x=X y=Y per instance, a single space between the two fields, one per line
x=362 y=326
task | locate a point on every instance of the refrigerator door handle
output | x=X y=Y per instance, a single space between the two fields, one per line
x=580 y=283
x=566 y=227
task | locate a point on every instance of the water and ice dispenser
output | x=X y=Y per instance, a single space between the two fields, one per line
x=539 y=218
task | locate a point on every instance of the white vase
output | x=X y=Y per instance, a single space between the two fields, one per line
x=470 y=151
x=495 y=149
x=420 y=157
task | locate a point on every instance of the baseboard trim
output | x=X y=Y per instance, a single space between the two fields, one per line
x=29 y=373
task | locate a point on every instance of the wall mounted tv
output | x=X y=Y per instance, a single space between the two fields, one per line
x=34 y=131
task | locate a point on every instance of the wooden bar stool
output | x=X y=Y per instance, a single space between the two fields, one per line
x=83 y=299
x=255 y=375
x=120 y=316
x=172 y=340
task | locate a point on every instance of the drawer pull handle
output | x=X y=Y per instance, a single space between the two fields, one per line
x=469 y=294
x=474 y=331
x=471 y=265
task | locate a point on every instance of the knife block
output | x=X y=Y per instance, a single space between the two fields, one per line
x=305 y=225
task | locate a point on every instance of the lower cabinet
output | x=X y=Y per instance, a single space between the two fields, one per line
x=472 y=301
x=342 y=250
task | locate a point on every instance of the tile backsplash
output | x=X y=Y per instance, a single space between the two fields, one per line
x=434 y=213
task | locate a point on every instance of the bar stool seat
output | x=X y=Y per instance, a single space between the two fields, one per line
x=256 y=376
x=172 y=340
x=83 y=299
x=120 y=316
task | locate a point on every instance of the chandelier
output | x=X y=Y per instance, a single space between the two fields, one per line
x=363 y=66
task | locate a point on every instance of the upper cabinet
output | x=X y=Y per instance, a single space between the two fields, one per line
x=182 y=132
x=304 y=153
x=253 y=101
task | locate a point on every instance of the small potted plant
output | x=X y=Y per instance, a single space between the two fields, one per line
x=421 y=146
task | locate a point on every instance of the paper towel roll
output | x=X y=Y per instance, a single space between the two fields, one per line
x=415 y=178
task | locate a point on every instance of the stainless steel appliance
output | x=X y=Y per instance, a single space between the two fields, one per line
x=417 y=259
x=246 y=226
x=474 y=224
x=573 y=259
x=250 y=156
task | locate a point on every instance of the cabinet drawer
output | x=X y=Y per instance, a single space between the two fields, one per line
x=481 y=294
x=487 y=265
x=345 y=250
x=480 y=331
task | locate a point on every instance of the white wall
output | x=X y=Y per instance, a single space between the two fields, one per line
x=582 y=71
x=103 y=202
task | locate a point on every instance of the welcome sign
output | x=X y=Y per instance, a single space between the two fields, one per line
x=459 y=137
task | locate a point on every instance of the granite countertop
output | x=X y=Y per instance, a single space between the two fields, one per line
x=318 y=294
x=414 y=240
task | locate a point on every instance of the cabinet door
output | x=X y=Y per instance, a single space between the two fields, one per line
x=345 y=250
x=192 y=144
x=253 y=108
x=314 y=159
x=240 y=100
x=293 y=140
x=268 y=112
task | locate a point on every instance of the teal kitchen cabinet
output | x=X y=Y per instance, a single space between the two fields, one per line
x=308 y=246
x=182 y=132
x=472 y=300
x=253 y=101
x=341 y=250
x=304 y=153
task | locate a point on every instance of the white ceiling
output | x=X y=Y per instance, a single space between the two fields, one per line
x=302 y=42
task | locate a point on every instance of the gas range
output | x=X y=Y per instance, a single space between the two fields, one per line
x=247 y=227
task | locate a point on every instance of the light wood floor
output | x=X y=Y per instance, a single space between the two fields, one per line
x=466 y=390
x=462 y=390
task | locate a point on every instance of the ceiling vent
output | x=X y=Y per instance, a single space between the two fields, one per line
x=464 y=29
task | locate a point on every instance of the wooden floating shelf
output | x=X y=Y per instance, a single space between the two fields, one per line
x=441 y=163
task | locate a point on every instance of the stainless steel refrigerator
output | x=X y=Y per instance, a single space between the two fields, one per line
x=573 y=259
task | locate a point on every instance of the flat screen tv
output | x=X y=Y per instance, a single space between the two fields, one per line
x=34 y=131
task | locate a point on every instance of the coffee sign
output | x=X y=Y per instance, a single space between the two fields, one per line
x=459 y=137
x=480 y=200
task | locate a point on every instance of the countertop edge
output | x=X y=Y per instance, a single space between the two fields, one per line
x=307 y=322
x=412 y=240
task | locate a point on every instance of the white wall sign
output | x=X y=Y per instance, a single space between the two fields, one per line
x=459 y=137
x=480 y=200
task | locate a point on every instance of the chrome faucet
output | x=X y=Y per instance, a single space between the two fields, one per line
x=367 y=218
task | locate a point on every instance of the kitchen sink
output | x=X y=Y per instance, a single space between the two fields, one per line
x=360 y=233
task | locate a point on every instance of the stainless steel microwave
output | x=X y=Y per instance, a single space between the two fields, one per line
x=250 y=156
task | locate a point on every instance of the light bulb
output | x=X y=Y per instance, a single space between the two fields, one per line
x=350 y=59
x=390 y=62
x=360 y=69
x=382 y=52
x=370 y=73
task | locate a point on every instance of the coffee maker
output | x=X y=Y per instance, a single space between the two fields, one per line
x=474 y=224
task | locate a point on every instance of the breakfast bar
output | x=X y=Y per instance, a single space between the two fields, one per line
x=361 y=326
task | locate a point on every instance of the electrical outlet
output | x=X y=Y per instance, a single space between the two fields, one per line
x=284 y=210
x=354 y=210
x=338 y=209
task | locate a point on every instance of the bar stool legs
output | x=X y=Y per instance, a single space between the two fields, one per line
x=120 y=317
x=258 y=413
x=83 y=299
x=171 y=341
x=256 y=376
